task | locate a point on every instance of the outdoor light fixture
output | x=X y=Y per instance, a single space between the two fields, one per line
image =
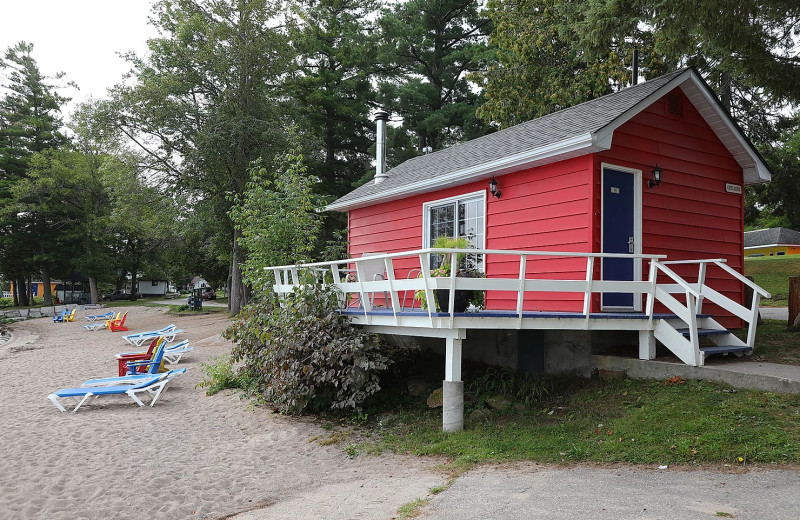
x=493 y=188
x=656 y=180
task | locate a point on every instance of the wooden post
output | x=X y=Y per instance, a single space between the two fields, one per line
x=794 y=299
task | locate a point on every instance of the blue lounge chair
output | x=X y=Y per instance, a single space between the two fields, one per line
x=169 y=332
x=101 y=317
x=60 y=317
x=129 y=379
x=154 y=385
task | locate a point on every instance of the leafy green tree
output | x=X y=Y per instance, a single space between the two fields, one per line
x=51 y=199
x=30 y=123
x=539 y=70
x=754 y=39
x=141 y=220
x=336 y=53
x=206 y=102
x=278 y=216
x=778 y=202
x=429 y=47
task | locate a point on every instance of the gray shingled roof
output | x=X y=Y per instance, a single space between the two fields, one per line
x=575 y=121
x=767 y=237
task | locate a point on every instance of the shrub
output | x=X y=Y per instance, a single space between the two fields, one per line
x=222 y=374
x=304 y=355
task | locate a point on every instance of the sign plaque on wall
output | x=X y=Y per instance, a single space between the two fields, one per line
x=733 y=188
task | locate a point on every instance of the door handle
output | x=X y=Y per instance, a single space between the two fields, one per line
x=630 y=244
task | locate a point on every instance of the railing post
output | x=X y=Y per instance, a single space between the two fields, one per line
x=587 y=296
x=691 y=305
x=452 y=304
x=523 y=270
x=425 y=265
x=651 y=296
x=751 y=327
x=701 y=280
x=389 y=265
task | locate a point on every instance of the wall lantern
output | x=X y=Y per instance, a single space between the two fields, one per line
x=493 y=188
x=656 y=180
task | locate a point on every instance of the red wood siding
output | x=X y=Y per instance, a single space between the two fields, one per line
x=689 y=215
x=546 y=208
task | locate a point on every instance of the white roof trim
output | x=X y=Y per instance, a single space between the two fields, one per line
x=753 y=168
x=573 y=147
x=771 y=245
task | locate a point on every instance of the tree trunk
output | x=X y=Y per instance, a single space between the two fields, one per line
x=22 y=291
x=134 y=282
x=726 y=91
x=16 y=293
x=93 y=295
x=237 y=297
x=30 y=291
x=48 y=298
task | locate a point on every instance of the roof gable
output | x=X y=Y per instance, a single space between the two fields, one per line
x=578 y=130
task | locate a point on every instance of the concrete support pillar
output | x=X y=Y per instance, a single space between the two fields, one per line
x=453 y=406
x=647 y=345
x=452 y=387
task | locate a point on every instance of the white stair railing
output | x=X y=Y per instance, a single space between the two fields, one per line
x=749 y=316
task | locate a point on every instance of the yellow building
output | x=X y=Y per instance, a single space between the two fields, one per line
x=771 y=242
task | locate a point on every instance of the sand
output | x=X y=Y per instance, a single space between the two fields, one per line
x=189 y=456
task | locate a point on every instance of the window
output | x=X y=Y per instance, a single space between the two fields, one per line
x=458 y=217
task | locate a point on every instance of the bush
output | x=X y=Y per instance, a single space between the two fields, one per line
x=222 y=374
x=304 y=355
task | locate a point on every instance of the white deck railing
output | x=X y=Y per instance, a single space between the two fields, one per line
x=376 y=274
x=385 y=284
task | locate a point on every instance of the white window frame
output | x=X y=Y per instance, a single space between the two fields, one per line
x=426 y=207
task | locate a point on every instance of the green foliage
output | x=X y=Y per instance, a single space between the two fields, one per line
x=29 y=124
x=778 y=202
x=748 y=38
x=335 y=43
x=206 y=102
x=220 y=374
x=304 y=355
x=539 y=70
x=428 y=49
x=507 y=383
x=277 y=217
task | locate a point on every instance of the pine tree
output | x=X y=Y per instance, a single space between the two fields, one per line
x=30 y=123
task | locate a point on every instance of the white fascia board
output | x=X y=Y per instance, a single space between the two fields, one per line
x=753 y=168
x=770 y=245
x=573 y=147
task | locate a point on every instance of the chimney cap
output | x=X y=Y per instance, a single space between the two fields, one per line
x=381 y=115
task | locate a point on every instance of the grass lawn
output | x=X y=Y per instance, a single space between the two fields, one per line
x=772 y=273
x=641 y=422
x=775 y=343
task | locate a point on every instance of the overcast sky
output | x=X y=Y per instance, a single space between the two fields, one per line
x=78 y=37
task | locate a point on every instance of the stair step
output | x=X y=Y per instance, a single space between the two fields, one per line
x=705 y=332
x=726 y=349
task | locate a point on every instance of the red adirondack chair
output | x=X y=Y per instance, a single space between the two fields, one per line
x=118 y=325
x=124 y=357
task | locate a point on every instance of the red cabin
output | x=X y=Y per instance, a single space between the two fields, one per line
x=621 y=217
x=580 y=180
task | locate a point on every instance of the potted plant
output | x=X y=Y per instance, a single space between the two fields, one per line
x=463 y=299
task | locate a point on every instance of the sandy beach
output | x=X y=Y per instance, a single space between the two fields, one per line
x=189 y=456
